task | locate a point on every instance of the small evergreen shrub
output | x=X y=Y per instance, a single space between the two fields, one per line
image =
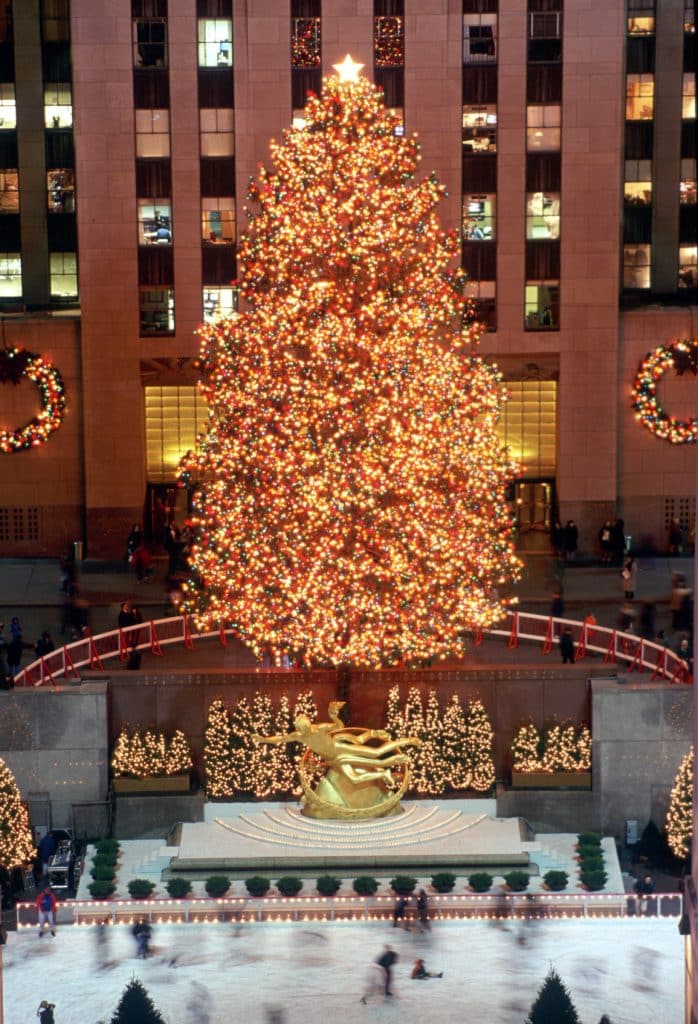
x=289 y=886
x=104 y=860
x=257 y=885
x=108 y=846
x=444 y=881
x=553 y=1004
x=480 y=881
x=593 y=880
x=364 y=885
x=517 y=880
x=101 y=890
x=217 y=885
x=328 y=885
x=140 y=888
x=556 y=881
x=403 y=885
x=588 y=839
x=136 y=1006
x=103 y=873
x=178 y=888
x=591 y=864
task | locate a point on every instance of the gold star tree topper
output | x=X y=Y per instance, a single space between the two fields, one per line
x=348 y=70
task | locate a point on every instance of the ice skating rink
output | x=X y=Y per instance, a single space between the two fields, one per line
x=631 y=969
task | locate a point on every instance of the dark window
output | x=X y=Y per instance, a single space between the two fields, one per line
x=542 y=260
x=545 y=5
x=479 y=85
x=9 y=233
x=62 y=232
x=217 y=177
x=306 y=8
x=689 y=51
x=55 y=59
x=544 y=83
x=480 y=174
x=639 y=140
x=480 y=6
x=153 y=178
x=55 y=19
x=688 y=140
x=7 y=62
x=219 y=265
x=303 y=81
x=640 y=54
x=214 y=8
x=5 y=21
x=150 y=43
x=60 y=151
x=216 y=88
x=8 y=150
x=155 y=266
x=543 y=172
x=151 y=89
x=637 y=223
x=388 y=8
x=688 y=223
x=480 y=261
x=148 y=8
x=544 y=37
x=392 y=82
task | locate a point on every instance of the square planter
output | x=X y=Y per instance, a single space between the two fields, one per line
x=551 y=780
x=161 y=784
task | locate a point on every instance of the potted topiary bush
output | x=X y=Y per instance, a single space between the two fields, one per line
x=517 y=880
x=556 y=881
x=257 y=885
x=289 y=885
x=217 y=885
x=110 y=846
x=589 y=839
x=444 y=881
x=178 y=888
x=101 y=890
x=140 y=888
x=480 y=881
x=403 y=885
x=364 y=885
x=103 y=873
x=593 y=880
x=104 y=860
x=328 y=885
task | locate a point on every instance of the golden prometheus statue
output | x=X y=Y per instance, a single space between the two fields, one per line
x=342 y=773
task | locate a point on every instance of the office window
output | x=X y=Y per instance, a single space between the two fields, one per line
x=543 y=127
x=544 y=37
x=543 y=215
x=542 y=305
x=60 y=189
x=150 y=43
x=479 y=216
x=389 y=42
x=215 y=42
x=219 y=303
x=10 y=275
x=9 y=191
x=154 y=222
x=637 y=187
x=689 y=18
x=55 y=21
x=688 y=99
x=688 y=266
x=58 y=105
x=636 y=265
x=8 y=106
x=157 y=310
x=217 y=132
x=479 y=128
x=173 y=418
x=218 y=221
x=479 y=38
x=687 y=188
x=528 y=426
x=64 y=275
x=641 y=25
x=483 y=295
x=639 y=97
x=306 y=43
x=152 y=133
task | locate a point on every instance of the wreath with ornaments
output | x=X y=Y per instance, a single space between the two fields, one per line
x=17 y=365
x=681 y=357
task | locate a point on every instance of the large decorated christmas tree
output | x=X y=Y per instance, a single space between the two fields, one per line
x=349 y=500
x=16 y=846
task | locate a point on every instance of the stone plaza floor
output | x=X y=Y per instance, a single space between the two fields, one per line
x=630 y=969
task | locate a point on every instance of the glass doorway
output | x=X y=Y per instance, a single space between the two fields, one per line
x=533 y=505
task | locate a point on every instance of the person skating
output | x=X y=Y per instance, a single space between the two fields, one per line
x=399 y=912
x=423 y=911
x=46 y=905
x=45 y=1012
x=386 y=960
x=419 y=971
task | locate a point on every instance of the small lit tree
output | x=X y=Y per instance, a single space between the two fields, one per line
x=454 y=732
x=178 y=754
x=217 y=743
x=679 y=819
x=553 y=1004
x=429 y=774
x=525 y=747
x=479 y=747
x=394 y=718
x=16 y=847
x=243 y=753
x=136 y=1006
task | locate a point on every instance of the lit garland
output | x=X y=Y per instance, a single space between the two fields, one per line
x=306 y=43
x=679 y=819
x=682 y=356
x=16 y=846
x=149 y=755
x=389 y=42
x=15 y=365
x=563 y=748
x=350 y=503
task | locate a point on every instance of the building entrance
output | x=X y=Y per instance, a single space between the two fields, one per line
x=533 y=505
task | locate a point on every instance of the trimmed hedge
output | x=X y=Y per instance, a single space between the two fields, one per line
x=289 y=885
x=480 y=881
x=178 y=888
x=103 y=873
x=104 y=860
x=217 y=885
x=589 y=839
x=101 y=890
x=556 y=881
x=328 y=885
x=403 y=885
x=108 y=846
x=517 y=880
x=257 y=885
x=593 y=880
x=140 y=888
x=365 y=885
x=444 y=881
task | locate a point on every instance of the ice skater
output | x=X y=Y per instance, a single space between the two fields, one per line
x=399 y=913
x=419 y=971
x=142 y=932
x=46 y=905
x=45 y=1012
x=423 y=911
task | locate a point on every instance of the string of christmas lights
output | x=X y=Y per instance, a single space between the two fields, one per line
x=679 y=819
x=15 y=365
x=681 y=357
x=16 y=846
x=349 y=506
x=389 y=42
x=561 y=748
x=149 y=755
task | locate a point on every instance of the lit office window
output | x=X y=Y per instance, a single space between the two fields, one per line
x=687 y=187
x=542 y=299
x=484 y=298
x=157 y=310
x=479 y=128
x=637 y=187
x=389 y=42
x=60 y=190
x=58 y=105
x=639 y=97
x=479 y=216
x=543 y=127
x=218 y=220
x=217 y=132
x=64 y=275
x=152 y=133
x=528 y=425
x=688 y=97
x=543 y=215
x=154 y=222
x=479 y=38
x=215 y=43
x=689 y=17
x=9 y=191
x=636 y=266
x=306 y=43
x=688 y=266
x=219 y=303
x=150 y=43
x=8 y=106
x=173 y=418
x=10 y=275
x=641 y=25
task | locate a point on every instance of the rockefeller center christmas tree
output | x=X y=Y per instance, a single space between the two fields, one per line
x=16 y=846
x=349 y=488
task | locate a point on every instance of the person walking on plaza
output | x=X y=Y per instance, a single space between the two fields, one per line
x=567 y=647
x=46 y=850
x=46 y=905
x=606 y=541
x=618 y=541
x=16 y=628
x=629 y=577
x=14 y=655
x=44 y=645
x=571 y=540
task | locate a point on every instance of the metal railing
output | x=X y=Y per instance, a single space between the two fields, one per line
x=614 y=646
